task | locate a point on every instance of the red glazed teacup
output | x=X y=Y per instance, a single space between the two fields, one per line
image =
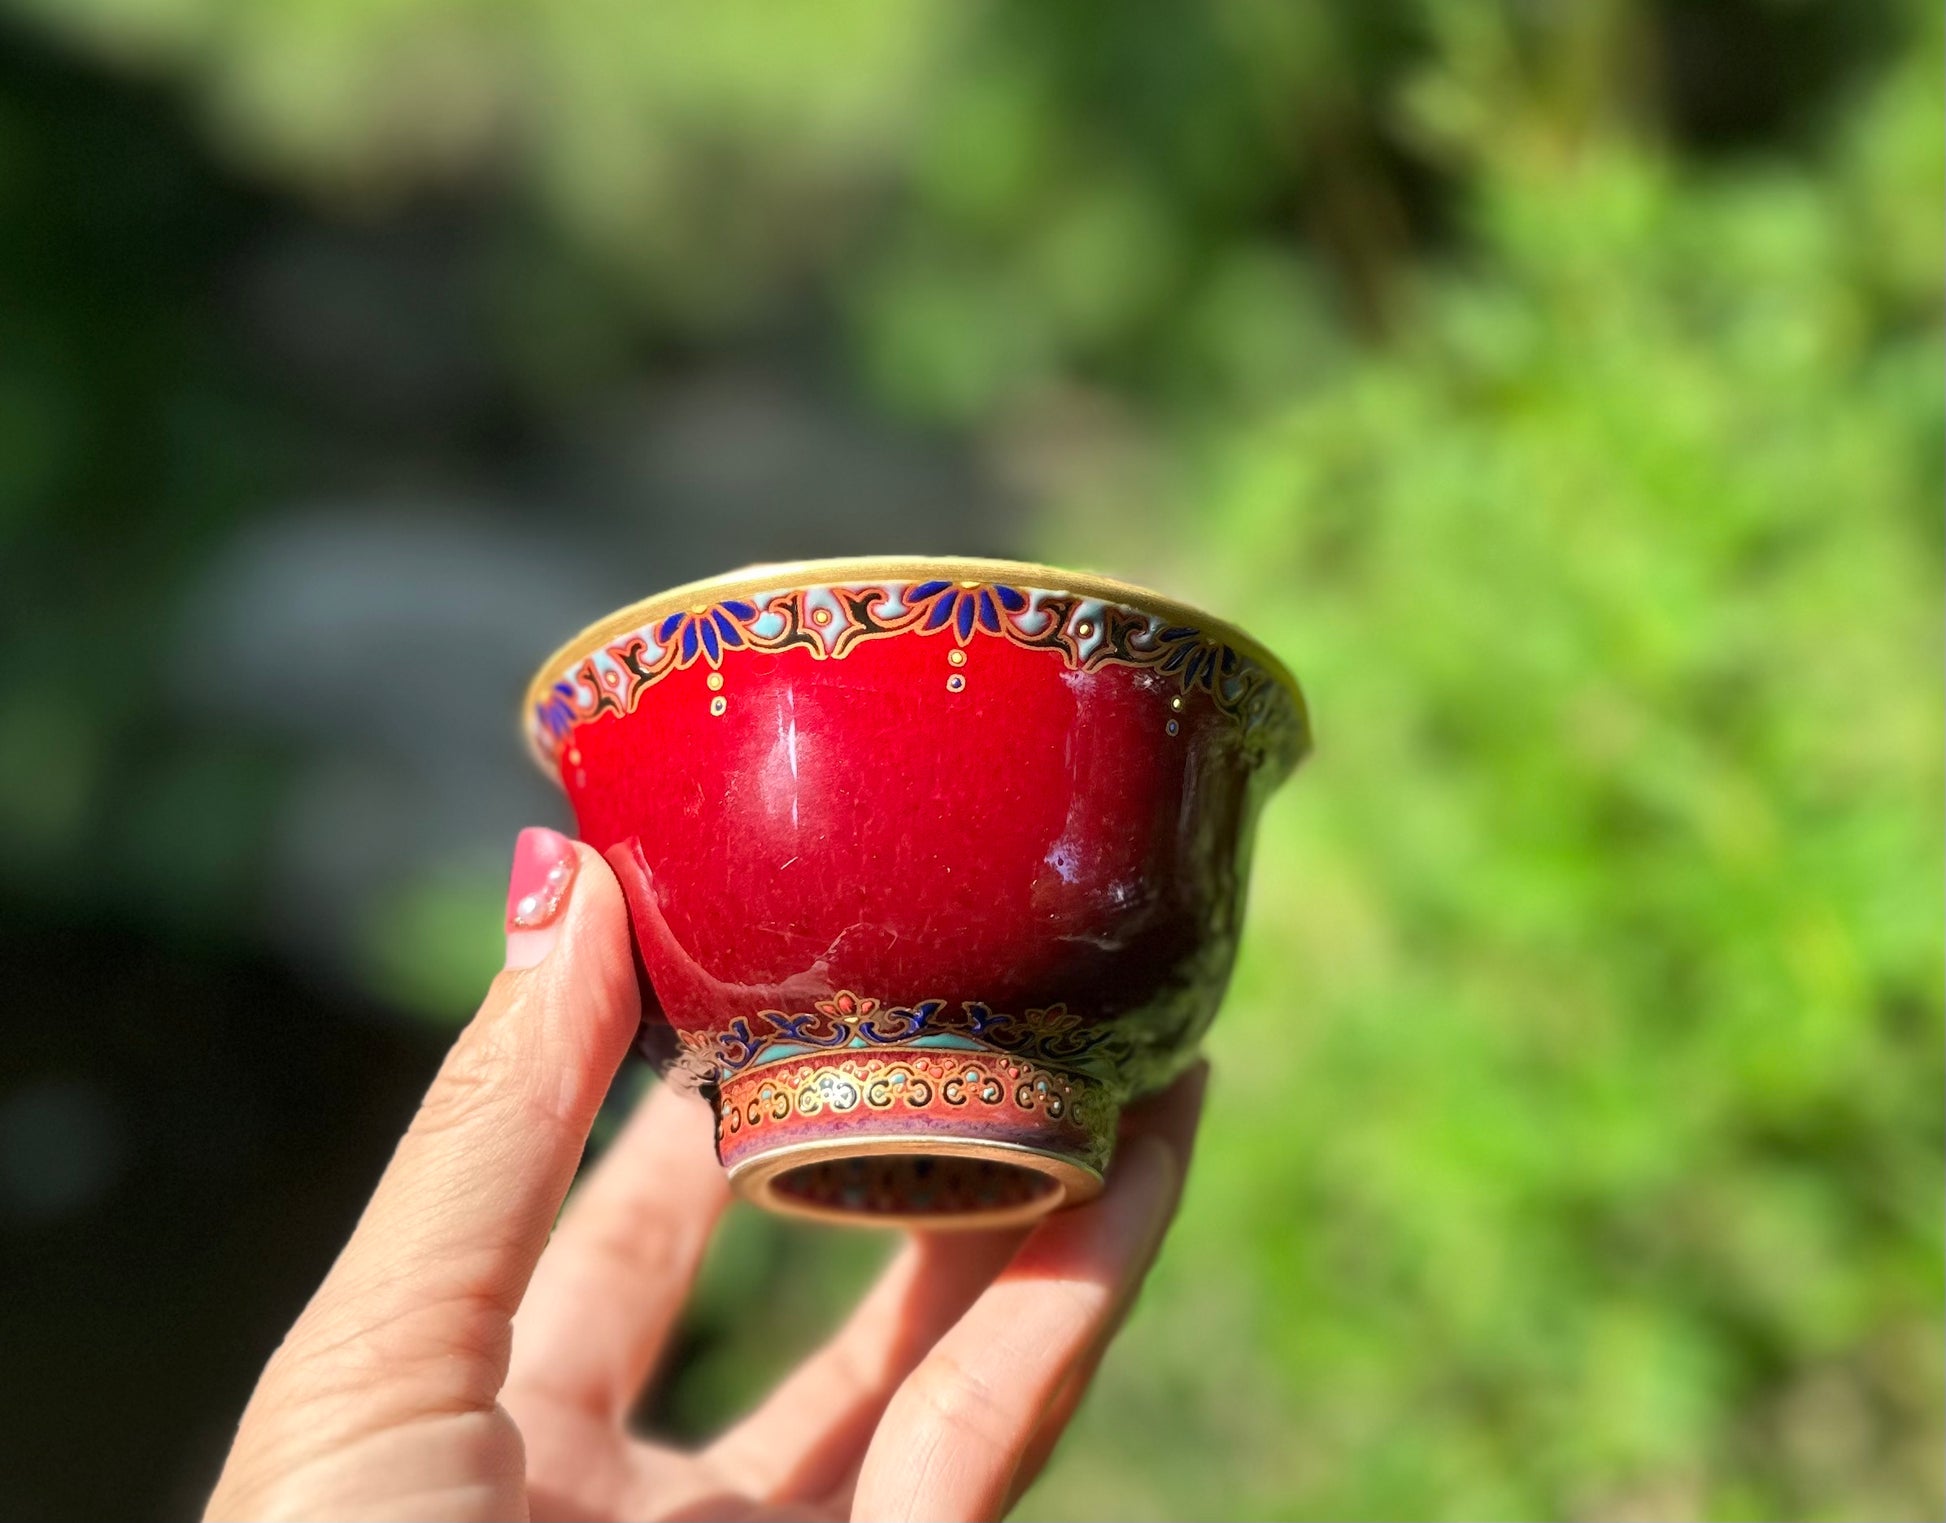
x=932 y=864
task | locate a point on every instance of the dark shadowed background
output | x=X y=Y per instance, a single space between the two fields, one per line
x=1557 y=386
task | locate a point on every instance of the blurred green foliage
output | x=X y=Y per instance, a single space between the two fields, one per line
x=1576 y=1143
x=1569 y=412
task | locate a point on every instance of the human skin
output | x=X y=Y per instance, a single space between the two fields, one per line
x=469 y=1357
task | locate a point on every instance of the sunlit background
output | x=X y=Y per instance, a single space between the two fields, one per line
x=1557 y=386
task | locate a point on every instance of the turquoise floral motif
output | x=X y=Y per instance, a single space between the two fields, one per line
x=1054 y=1036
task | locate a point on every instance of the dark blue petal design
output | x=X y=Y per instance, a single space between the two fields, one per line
x=1010 y=600
x=989 y=614
x=793 y=1027
x=689 y=642
x=729 y=630
x=1176 y=632
x=894 y=1025
x=709 y=639
x=1176 y=658
x=668 y=627
x=965 y=615
x=739 y=1035
x=928 y=590
x=941 y=612
x=741 y=611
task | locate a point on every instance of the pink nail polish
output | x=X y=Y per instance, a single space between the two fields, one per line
x=543 y=872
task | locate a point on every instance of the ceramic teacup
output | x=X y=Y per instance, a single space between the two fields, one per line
x=933 y=865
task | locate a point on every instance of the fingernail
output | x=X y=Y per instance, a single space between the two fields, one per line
x=543 y=873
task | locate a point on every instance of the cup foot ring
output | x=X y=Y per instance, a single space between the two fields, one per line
x=928 y=1182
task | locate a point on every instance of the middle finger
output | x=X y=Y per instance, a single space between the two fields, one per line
x=613 y=1281
x=807 y=1438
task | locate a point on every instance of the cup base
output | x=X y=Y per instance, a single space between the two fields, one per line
x=931 y=1183
x=923 y=1137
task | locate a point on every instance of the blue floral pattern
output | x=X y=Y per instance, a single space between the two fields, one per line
x=828 y=622
x=707 y=632
x=965 y=606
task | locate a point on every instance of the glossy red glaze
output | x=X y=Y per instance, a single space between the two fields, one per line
x=1034 y=839
x=981 y=822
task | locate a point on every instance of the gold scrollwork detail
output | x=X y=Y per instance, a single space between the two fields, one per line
x=831 y=1085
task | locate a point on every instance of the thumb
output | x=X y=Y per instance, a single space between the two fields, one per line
x=416 y=1313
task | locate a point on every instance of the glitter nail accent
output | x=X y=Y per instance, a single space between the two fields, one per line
x=544 y=866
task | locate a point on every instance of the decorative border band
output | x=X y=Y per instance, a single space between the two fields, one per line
x=920 y=1090
x=829 y=621
x=1053 y=1037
